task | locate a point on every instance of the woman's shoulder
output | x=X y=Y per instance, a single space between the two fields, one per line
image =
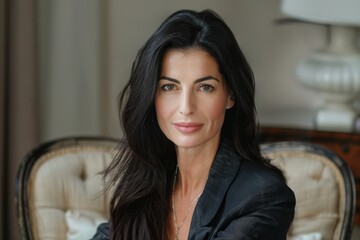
x=261 y=183
x=247 y=179
x=102 y=232
x=243 y=194
x=247 y=171
x=259 y=174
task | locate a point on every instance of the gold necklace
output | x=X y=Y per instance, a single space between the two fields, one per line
x=177 y=227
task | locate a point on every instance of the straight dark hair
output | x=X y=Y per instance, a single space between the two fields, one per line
x=141 y=175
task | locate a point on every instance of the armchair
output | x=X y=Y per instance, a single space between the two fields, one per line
x=324 y=188
x=60 y=195
x=59 y=189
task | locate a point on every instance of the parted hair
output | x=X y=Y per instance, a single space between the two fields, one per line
x=141 y=174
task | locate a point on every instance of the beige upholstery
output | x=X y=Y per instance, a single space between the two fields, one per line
x=319 y=187
x=60 y=190
x=64 y=186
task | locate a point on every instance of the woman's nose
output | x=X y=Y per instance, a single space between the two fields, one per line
x=187 y=103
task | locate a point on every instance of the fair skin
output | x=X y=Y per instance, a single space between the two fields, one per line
x=190 y=103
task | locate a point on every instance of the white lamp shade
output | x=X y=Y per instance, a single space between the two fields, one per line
x=335 y=12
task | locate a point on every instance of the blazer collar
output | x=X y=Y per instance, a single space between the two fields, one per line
x=223 y=170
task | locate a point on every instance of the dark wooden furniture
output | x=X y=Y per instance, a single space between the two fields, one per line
x=346 y=145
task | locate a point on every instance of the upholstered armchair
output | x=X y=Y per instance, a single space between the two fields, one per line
x=60 y=191
x=60 y=194
x=324 y=189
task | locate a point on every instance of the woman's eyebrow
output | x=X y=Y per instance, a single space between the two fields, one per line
x=196 y=81
x=169 y=79
x=206 y=78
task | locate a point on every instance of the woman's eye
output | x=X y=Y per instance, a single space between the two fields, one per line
x=167 y=87
x=206 y=88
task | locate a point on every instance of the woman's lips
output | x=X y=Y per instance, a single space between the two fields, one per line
x=188 y=127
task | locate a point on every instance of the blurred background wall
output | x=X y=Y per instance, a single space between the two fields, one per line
x=84 y=51
x=87 y=48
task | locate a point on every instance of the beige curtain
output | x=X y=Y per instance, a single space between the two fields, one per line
x=19 y=113
x=70 y=75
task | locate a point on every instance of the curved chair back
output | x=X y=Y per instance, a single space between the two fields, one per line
x=59 y=192
x=324 y=188
x=59 y=189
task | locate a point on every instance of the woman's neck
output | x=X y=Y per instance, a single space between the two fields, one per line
x=194 y=166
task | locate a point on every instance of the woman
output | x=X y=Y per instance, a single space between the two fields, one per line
x=190 y=166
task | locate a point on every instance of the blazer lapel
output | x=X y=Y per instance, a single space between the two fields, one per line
x=223 y=170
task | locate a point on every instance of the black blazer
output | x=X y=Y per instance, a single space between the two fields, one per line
x=241 y=200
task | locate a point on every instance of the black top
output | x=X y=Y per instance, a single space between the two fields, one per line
x=241 y=200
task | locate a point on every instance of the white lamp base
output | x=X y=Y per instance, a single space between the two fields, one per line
x=338 y=118
x=335 y=72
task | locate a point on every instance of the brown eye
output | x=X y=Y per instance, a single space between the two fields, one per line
x=167 y=87
x=206 y=88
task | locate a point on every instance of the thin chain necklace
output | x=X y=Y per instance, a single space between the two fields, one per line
x=177 y=227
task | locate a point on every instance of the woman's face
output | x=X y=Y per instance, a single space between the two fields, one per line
x=191 y=98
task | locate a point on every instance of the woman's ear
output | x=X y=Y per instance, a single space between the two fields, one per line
x=230 y=102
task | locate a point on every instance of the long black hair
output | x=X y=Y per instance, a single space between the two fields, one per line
x=142 y=173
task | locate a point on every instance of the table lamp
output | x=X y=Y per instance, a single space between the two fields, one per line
x=334 y=70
